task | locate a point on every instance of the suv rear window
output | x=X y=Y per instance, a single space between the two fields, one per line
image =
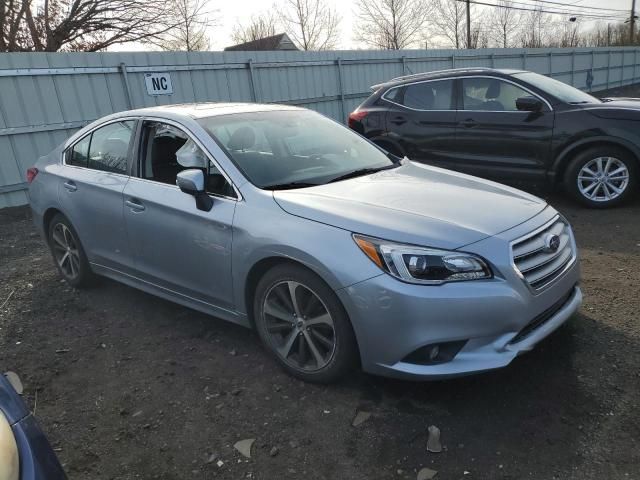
x=430 y=95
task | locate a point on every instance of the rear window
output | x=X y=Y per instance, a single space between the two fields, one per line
x=433 y=95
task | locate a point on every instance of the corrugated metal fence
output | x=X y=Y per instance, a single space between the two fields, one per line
x=45 y=97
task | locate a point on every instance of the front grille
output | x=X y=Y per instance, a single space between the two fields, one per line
x=538 y=264
x=542 y=318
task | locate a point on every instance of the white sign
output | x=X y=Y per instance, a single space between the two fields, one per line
x=158 y=83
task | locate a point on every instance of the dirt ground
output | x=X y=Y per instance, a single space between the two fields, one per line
x=130 y=386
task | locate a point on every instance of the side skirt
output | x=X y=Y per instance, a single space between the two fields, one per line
x=167 y=294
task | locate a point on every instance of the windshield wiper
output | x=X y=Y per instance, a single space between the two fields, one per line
x=289 y=185
x=360 y=172
x=579 y=103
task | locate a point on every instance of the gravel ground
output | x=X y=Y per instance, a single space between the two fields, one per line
x=130 y=386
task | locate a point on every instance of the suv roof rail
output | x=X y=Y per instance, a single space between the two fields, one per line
x=422 y=74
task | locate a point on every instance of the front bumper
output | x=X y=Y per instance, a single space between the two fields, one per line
x=496 y=319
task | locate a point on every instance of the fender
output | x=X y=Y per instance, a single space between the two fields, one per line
x=565 y=153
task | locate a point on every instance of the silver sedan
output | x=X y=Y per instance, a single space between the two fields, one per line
x=336 y=252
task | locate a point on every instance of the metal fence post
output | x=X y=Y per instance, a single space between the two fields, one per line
x=550 y=64
x=404 y=65
x=453 y=60
x=341 y=87
x=493 y=60
x=608 y=67
x=252 y=81
x=635 y=64
x=524 y=60
x=125 y=80
x=593 y=65
x=573 y=68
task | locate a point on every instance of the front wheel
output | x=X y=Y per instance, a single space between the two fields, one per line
x=302 y=323
x=602 y=177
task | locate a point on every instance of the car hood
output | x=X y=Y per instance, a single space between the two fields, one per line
x=616 y=109
x=621 y=102
x=416 y=204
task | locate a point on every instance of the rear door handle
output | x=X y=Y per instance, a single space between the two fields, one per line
x=468 y=123
x=70 y=185
x=398 y=120
x=134 y=205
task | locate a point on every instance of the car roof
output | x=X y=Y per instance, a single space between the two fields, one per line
x=449 y=73
x=207 y=109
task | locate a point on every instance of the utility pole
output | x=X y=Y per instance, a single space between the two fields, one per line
x=469 y=23
x=632 y=22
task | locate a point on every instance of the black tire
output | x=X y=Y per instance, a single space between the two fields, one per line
x=75 y=268
x=619 y=157
x=275 y=332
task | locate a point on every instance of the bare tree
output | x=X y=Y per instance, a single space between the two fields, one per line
x=450 y=21
x=85 y=25
x=311 y=24
x=191 y=19
x=504 y=24
x=537 y=29
x=260 y=26
x=392 y=24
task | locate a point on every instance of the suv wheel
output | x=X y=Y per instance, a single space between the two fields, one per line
x=68 y=253
x=602 y=177
x=302 y=323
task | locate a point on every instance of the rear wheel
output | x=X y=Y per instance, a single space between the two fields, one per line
x=68 y=253
x=303 y=324
x=602 y=177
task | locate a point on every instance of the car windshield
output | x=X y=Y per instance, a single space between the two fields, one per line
x=293 y=148
x=562 y=91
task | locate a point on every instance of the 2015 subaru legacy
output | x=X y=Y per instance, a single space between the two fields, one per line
x=279 y=219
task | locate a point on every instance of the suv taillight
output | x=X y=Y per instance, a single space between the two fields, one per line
x=31 y=174
x=356 y=117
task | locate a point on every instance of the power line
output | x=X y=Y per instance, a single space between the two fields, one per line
x=554 y=12
x=565 y=5
x=569 y=11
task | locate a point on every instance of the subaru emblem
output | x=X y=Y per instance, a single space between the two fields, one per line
x=551 y=243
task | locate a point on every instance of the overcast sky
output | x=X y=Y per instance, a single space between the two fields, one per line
x=232 y=11
x=229 y=12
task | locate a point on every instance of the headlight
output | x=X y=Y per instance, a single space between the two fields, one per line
x=423 y=265
x=8 y=451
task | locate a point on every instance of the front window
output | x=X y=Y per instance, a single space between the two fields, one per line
x=167 y=150
x=561 y=91
x=293 y=148
x=490 y=94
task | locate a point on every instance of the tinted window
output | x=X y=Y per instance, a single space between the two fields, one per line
x=167 y=150
x=109 y=147
x=273 y=148
x=429 y=95
x=79 y=153
x=490 y=94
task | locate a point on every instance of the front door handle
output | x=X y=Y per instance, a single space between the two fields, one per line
x=70 y=186
x=398 y=120
x=468 y=123
x=134 y=205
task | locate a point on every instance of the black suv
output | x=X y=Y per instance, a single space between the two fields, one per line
x=510 y=125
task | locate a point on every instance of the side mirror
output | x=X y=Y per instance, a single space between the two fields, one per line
x=529 y=104
x=191 y=182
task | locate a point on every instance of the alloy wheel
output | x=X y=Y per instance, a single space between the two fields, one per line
x=65 y=250
x=299 y=326
x=603 y=179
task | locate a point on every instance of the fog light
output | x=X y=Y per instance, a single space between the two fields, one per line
x=435 y=353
